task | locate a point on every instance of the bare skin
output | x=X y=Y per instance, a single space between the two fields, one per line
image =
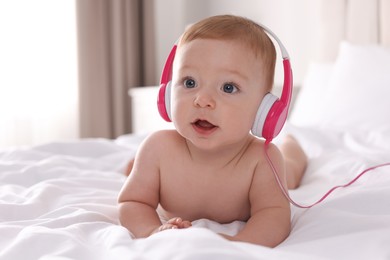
x=210 y=166
x=236 y=189
x=295 y=160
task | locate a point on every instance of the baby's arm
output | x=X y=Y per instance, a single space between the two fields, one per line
x=139 y=197
x=143 y=221
x=269 y=223
x=139 y=218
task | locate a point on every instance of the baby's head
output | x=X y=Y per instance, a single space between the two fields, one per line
x=242 y=30
x=224 y=65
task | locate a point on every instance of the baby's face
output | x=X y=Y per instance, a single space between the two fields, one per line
x=217 y=87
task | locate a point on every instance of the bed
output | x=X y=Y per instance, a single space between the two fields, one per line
x=58 y=200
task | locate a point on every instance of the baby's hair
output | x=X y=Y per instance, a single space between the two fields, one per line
x=236 y=28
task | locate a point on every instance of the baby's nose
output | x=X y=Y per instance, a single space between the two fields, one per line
x=204 y=99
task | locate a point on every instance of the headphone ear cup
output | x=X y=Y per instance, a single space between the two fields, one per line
x=164 y=101
x=261 y=123
x=275 y=120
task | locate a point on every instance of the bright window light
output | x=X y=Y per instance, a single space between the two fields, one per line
x=38 y=71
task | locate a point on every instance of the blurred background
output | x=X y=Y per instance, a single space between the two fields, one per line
x=66 y=66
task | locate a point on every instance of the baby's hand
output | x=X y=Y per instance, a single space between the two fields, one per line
x=173 y=223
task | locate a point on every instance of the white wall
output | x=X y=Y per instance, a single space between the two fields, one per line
x=294 y=22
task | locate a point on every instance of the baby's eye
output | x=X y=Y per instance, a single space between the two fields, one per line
x=229 y=88
x=189 y=83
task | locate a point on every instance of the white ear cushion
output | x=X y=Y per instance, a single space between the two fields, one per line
x=168 y=99
x=265 y=106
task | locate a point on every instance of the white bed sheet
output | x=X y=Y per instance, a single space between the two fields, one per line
x=58 y=201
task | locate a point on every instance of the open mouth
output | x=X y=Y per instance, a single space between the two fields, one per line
x=203 y=126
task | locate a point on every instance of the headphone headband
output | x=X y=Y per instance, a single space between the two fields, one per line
x=166 y=75
x=287 y=84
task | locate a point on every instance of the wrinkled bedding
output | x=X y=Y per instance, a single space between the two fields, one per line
x=58 y=201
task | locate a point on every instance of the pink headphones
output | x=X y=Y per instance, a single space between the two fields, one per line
x=272 y=112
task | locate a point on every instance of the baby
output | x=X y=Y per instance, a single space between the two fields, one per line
x=211 y=166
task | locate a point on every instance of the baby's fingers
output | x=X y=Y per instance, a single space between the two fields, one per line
x=186 y=224
x=174 y=220
x=167 y=226
x=179 y=222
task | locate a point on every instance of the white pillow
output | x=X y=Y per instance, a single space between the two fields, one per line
x=305 y=110
x=358 y=91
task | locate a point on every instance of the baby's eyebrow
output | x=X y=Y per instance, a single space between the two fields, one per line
x=237 y=73
x=185 y=68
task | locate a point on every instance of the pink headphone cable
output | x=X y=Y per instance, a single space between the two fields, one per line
x=285 y=191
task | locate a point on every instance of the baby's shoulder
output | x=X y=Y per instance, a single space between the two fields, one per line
x=258 y=145
x=260 y=148
x=159 y=144
x=167 y=135
x=162 y=139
